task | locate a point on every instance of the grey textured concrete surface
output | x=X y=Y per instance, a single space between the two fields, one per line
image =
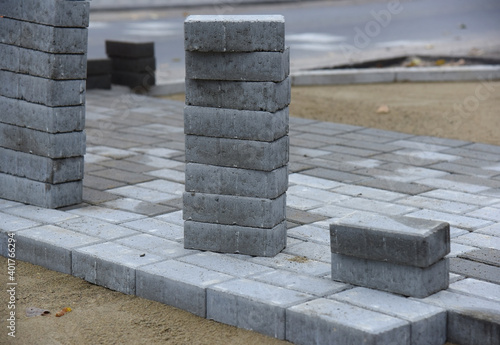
x=396 y=239
x=138 y=143
x=235 y=124
x=237 y=33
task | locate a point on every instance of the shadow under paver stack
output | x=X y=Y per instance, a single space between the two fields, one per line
x=43 y=46
x=236 y=126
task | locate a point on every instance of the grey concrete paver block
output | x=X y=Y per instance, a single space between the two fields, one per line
x=235 y=124
x=145 y=194
x=42 y=169
x=155 y=245
x=402 y=279
x=310 y=233
x=107 y=214
x=313 y=182
x=50 y=246
x=476 y=288
x=39 y=214
x=479 y=240
x=234 y=33
x=427 y=322
x=399 y=240
x=41 y=117
x=177 y=284
x=471 y=320
x=158 y=227
x=256 y=66
x=245 y=154
x=315 y=286
x=252 y=305
x=52 y=39
x=254 y=241
x=11 y=224
x=324 y=321
x=311 y=250
x=225 y=264
x=487 y=256
x=95 y=227
x=459 y=221
x=474 y=269
x=234 y=210
x=295 y=264
x=213 y=179
x=111 y=265
x=240 y=95
x=39 y=193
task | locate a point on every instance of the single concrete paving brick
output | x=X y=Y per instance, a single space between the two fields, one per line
x=50 y=246
x=427 y=322
x=234 y=33
x=52 y=66
x=235 y=239
x=234 y=210
x=324 y=321
x=9 y=57
x=10 y=31
x=60 y=145
x=212 y=179
x=235 y=124
x=245 y=154
x=241 y=95
x=471 y=320
x=405 y=280
x=393 y=239
x=256 y=66
x=72 y=13
x=133 y=50
x=10 y=225
x=53 y=39
x=477 y=288
x=111 y=265
x=41 y=117
x=40 y=168
x=252 y=305
x=38 y=193
x=177 y=284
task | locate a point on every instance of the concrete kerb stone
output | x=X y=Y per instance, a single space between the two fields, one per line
x=213 y=179
x=234 y=210
x=234 y=33
x=401 y=279
x=393 y=239
x=254 y=66
x=235 y=124
x=235 y=239
x=324 y=321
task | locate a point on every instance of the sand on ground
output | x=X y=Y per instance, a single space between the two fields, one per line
x=466 y=111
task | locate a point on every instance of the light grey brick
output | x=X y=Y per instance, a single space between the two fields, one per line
x=252 y=305
x=245 y=154
x=300 y=282
x=240 y=95
x=110 y=265
x=41 y=117
x=235 y=239
x=325 y=321
x=106 y=214
x=310 y=232
x=60 y=145
x=11 y=224
x=9 y=57
x=10 y=31
x=310 y=250
x=476 y=288
x=295 y=264
x=471 y=320
x=39 y=193
x=53 y=66
x=40 y=168
x=451 y=195
x=234 y=33
x=479 y=240
x=401 y=279
x=234 y=210
x=459 y=221
x=256 y=66
x=399 y=240
x=386 y=208
x=225 y=264
x=155 y=245
x=51 y=12
x=427 y=322
x=50 y=246
x=157 y=227
x=177 y=284
x=40 y=214
x=213 y=179
x=235 y=124
x=96 y=228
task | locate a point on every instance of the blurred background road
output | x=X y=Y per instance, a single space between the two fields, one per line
x=320 y=33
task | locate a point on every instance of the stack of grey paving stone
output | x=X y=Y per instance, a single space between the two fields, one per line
x=43 y=47
x=133 y=63
x=236 y=126
x=397 y=254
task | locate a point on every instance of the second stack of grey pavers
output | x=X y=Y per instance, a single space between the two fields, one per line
x=236 y=126
x=397 y=254
x=43 y=60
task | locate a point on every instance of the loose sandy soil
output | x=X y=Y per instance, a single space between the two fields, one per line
x=101 y=316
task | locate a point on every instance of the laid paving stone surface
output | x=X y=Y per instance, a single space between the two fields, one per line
x=130 y=237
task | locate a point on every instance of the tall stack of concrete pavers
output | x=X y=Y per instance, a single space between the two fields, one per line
x=236 y=126
x=397 y=254
x=43 y=46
